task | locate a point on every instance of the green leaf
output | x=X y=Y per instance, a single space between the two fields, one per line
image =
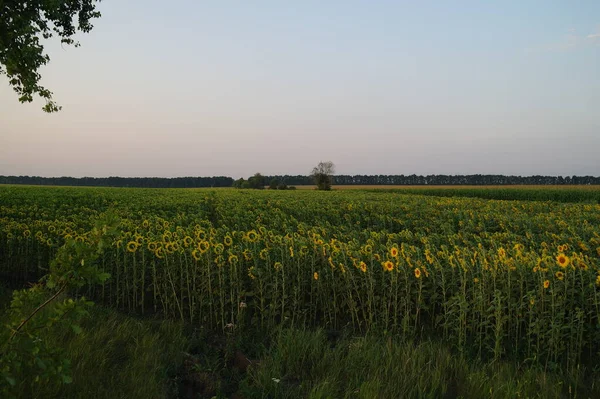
x=76 y=329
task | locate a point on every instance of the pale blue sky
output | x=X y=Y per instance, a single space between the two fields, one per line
x=186 y=88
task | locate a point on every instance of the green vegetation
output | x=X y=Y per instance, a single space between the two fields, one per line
x=22 y=26
x=401 y=283
x=322 y=175
x=305 y=364
x=114 y=356
x=529 y=193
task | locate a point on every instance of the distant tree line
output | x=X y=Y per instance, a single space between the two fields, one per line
x=286 y=181
x=259 y=182
x=435 y=180
x=145 y=182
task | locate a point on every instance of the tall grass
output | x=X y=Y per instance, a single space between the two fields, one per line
x=305 y=364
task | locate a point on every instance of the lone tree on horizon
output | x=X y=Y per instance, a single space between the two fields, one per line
x=323 y=175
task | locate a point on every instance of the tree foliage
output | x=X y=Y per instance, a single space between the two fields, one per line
x=23 y=24
x=323 y=175
x=26 y=358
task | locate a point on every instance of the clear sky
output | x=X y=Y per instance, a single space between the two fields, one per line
x=195 y=88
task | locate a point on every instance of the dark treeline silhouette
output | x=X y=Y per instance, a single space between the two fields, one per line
x=144 y=182
x=436 y=180
x=301 y=180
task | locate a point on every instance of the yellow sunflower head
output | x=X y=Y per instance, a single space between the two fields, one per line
x=196 y=254
x=132 y=246
x=388 y=266
x=562 y=260
x=252 y=236
x=559 y=275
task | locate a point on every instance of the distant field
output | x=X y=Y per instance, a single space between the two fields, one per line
x=562 y=193
x=422 y=187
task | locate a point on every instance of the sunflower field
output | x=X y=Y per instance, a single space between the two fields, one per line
x=492 y=278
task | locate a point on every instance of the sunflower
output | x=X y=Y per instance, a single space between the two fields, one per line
x=196 y=254
x=169 y=247
x=428 y=256
x=247 y=254
x=201 y=235
x=203 y=246
x=561 y=248
x=252 y=236
x=228 y=241
x=363 y=267
x=145 y=224
x=250 y=273
x=559 y=275
x=502 y=253
x=388 y=266
x=316 y=275
x=475 y=280
x=598 y=281
x=418 y=273
x=159 y=253
x=233 y=259
x=80 y=239
x=218 y=249
x=263 y=253
x=26 y=233
x=368 y=249
x=303 y=250
x=393 y=252
x=291 y=252
x=546 y=283
x=563 y=260
x=277 y=266
x=187 y=241
x=152 y=246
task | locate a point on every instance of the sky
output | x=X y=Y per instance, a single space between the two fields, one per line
x=203 y=88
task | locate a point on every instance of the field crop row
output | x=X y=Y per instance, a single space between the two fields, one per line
x=495 y=278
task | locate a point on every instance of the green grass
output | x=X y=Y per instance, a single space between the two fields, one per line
x=116 y=356
x=119 y=356
x=303 y=364
x=570 y=194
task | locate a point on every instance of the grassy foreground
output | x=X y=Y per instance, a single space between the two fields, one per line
x=119 y=356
